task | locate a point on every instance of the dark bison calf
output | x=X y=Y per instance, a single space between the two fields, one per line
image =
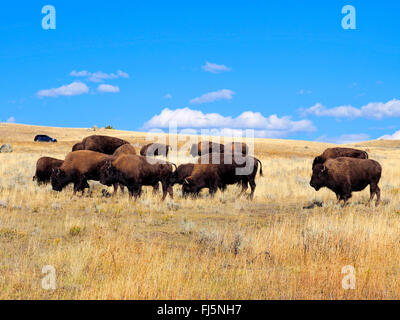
x=136 y=171
x=345 y=175
x=103 y=144
x=44 y=168
x=332 y=153
x=155 y=149
x=78 y=167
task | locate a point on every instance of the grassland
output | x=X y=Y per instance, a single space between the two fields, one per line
x=224 y=248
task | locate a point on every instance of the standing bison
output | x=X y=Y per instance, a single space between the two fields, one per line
x=155 y=149
x=78 y=167
x=102 y=144
x=344 y=175
x=136 y=171
x=206 y=147
x=332 y=153
x=237 y=147
x=124 y=149
x=44 y=168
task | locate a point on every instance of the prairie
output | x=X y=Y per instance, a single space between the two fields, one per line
x=222 y=248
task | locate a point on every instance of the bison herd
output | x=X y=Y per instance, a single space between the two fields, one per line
x=114 y=162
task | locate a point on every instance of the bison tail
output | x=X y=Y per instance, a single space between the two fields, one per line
x=261 y=172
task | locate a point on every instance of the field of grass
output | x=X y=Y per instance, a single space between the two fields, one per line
x=221 y=248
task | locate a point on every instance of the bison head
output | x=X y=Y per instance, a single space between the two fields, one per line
x=317 y=160
x=190 y=187
x=108 y=174
x=59 y=179
x=319 y=177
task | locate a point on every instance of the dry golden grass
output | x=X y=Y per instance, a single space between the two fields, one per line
x=225 y=248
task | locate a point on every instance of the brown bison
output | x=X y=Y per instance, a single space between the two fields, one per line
x=155 y=149
x=237 y=147
x=78 y=167
x=124 y=149
x=344 y=175
x=136 y=171
x=206 y=147
x=44 y=168
x=102 y=144
x=220 y=170
x=332 y=153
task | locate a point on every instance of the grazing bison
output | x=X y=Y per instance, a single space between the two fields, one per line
x=206 y=147
x=78 y=167
x=102 y=144
x=136 y=171
x=155 y=149
x=124 y=149
x=344 y=175
x=44 y=168
x=237 y=147
x=332 y=153
x=230 y=169
x=183 y=171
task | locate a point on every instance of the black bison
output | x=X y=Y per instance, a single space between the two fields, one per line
x=332 y=153
x=183 y=171
x=124 y=149
x=102 y=144
x=206 y=147
x=155 y=149
x=344 y=175
x=135 y=171
x=78 y=167
x=44 y=138
x=44 y=168
x=215 y=171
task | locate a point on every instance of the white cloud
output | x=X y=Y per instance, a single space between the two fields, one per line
x=345 y=138
x=373 y=110
x=99 y=76
x=394 y=136
x=108 y=88
x=11 y=120
x=168 y=96
x=73 y=89
x=215 y=68
x=271 y=126
x=223 y=94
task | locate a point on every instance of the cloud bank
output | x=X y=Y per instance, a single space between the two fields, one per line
x=223 y=94
x=99 y=76
x=268 y=127
x=215 y=68
x=73 y=89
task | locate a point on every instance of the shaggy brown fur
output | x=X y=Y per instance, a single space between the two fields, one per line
x=124 y=149
x=103 y=144
x=135 y=171
x=332 y=153
x=344 y=175
x=78 y=167
x=206 y=147
x=44 y=168
x=237 y=147
x=155 y=149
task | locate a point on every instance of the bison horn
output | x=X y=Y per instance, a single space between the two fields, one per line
x=187 y=182
x=323 y=169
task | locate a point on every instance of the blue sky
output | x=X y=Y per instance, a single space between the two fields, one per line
x=287 y=69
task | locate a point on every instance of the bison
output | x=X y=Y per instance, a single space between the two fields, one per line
x=206 y=147
x=78 y=167
x=44 y=168
x=102 y=144
x=344 y=175
x=230 y=169
x=124 y=149
x=155 y=149
x=332 y=153
x=135 y=171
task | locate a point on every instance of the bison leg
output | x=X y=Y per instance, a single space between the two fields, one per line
x=155 y=188
x=171 y=192
x=244 y=188
x=164 y=190
x=115 y=185
x=253 y=188
x=374 y=189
